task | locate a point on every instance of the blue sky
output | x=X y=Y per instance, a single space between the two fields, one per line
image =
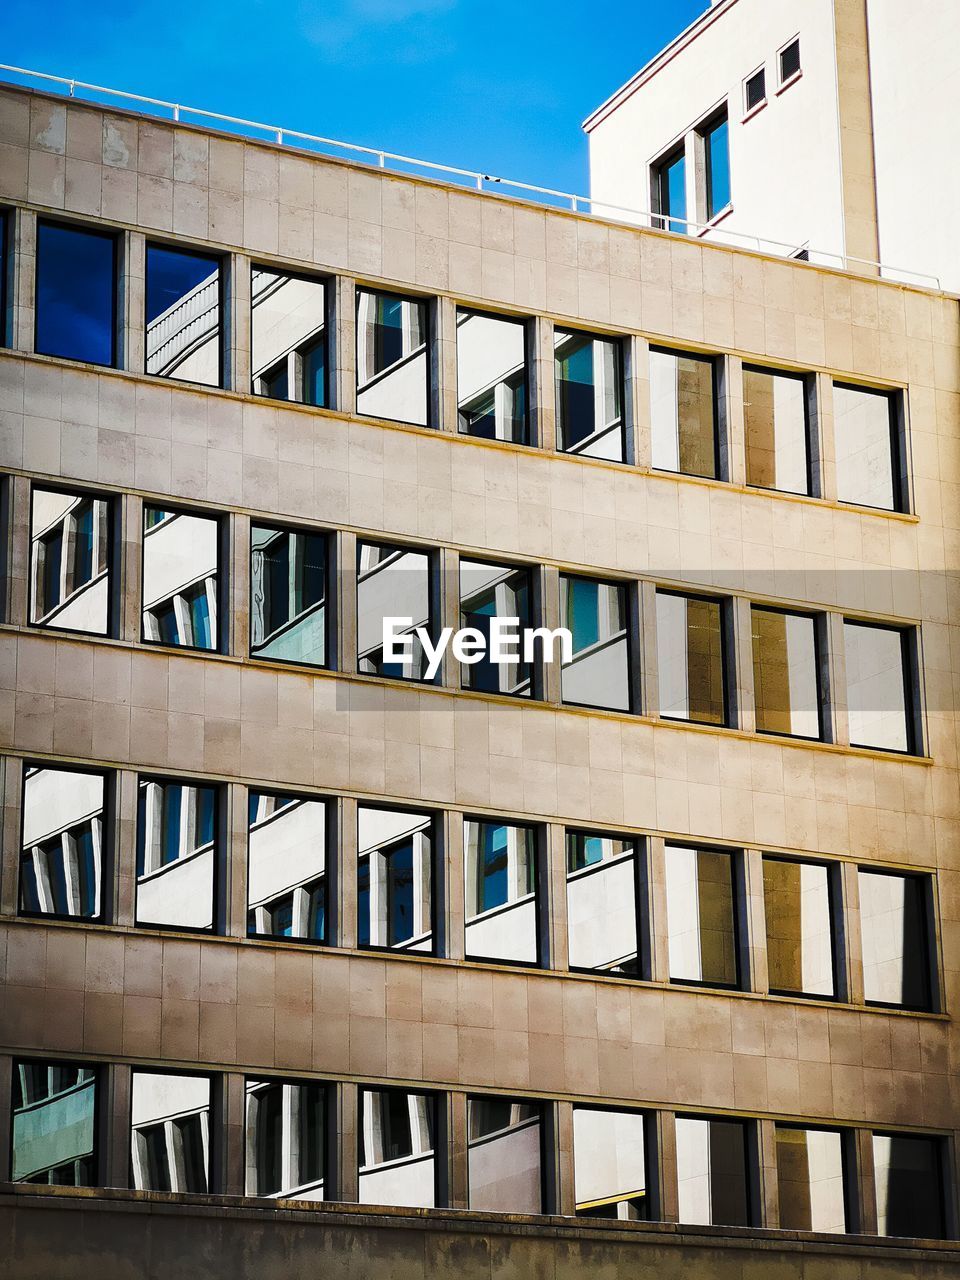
x=497 y=85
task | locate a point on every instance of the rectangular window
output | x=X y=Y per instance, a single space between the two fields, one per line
x=610 y=1165
x=866 y=435
x=790 y=61
x=712 y=1172
x=76 y=293
x=170 y=1132
x=289 y=343
x=810 y=1179
x=786 y=673
x=595 y=613
x=669 y=182
x=880 y=678
x=286 y=1139
x=6 y=271
x=895 y=933
x=180 y=575
x=62 y=845
x=288 y=595
x=392 y=582
x=589 y=376
x=397 y=1148
x=683 y=408
x=70 y=550
x=602 y=903
x=776 y=424
x=504 y=1155
x=716 y=163
x=500 y=891
x=492 y=377
x=489 y=591
x=395 y=879
x=691 y=658
x=754 y=90
x=800 y=932
x=393 y=357
x=184 y=303
x=702 y=916
x=908 y=1172
x=177 y=850
x=54 y=1123
x=286 y=878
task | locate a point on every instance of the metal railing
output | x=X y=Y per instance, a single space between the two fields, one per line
x=584 y=205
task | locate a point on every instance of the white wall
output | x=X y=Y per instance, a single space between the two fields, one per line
x=504 y=1171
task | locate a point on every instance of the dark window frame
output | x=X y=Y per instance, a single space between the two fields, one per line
x=617 y=341
x=782 y=53
x=329 y=283
x=98 y=230
x=819 y=621
x=330 y=874
x=329 y=604
x=751 y=1156
x=539 y=881
x=705 y=131
x=217 y=906
x=223 y=567
x=927 y=940
x=899 y=449
x=837 y=936
x=717 y=362
x=214 y=1121
x=535 y=608
x=438 y=886
x=437 y=1097
x=810 y=442
x=428 y=302
x=847 y=1136
x=660 y=167
x=912 y=698
x=651 y=1149
x=642 y=890
x=99 y=1115
x=6 y=274
x=114 y=534
x=527 y=324
x=329 y=1126
x=738 y=905
x=756 y=79
x=434 y=570
x=223 y=267
x=943 y=1170
x=544 y=1108
x=629 y=586
x=727 y=657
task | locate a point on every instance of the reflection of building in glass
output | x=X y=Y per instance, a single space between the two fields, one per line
x=69 y=557
x=492 y=377
x=180 y=558
x=61 y=861
x=183 y=315
x=504 y=1158
x=392 y=359
x=286 y=885
x=392 y=582
x=176 y=854
x=496 y=591
x=289 y=339
x=500 y=888
x=395 y=879
x=54 y=1110
x=170 y=1132
x=397 y=1140
x=288 y=595
x=285 y=1139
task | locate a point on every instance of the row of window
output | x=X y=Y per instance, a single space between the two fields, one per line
x=290 y=1125
x=76 y=306
x=184 y=601
x=66 y=863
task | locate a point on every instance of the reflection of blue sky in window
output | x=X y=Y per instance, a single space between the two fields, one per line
x=171 y=274
x=75 y=290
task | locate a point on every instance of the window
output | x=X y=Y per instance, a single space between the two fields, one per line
x=286 y=879
x=288 y=595
x=799 y=916
x=669 y=182
x=504 y=1156
x=289 y=344
x=393 y=365
x=61 y=855
x=397 y=1143
x=589 y=374
x=53 y=1124
x=609 y=1165
x=909 y=1177
x=170 y=1132
x=184 y=299
x=596 y=615
x=70 y=561
x=180 y=575
x=786 y=673
x=712 y=1172
x=895 y=933
x=810 y=1178
x=492 y=377
x=776 y=426
x=716 y=163
x=501 y=591
x=691 y=658
x=500 y=891
x=6 y=271
x=867 y=443
x=879 y=686
x=790 y=61
x=683 y=407
x=702 y=916
x=392 y=582
x=176 y=854
x=602 y=902
x=755 y=90
x=76 y=293
x=395 y=879
x=286 y=1139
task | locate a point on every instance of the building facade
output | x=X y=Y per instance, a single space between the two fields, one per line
x=637 y=963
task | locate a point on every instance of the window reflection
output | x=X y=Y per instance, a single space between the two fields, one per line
x=286 y=887
x=602 y=903
x=285 y=1139
x=712 y=1171
x=392 y=582
x=6 y=254
x=61 y=858
x=670 y=192
x=691 y=658
x=799 y=920
x=895 y=939
x=53 y=1134
x=589 y=375
x=878 y=706
x=183 y=315
x=908 y=1173
x=170 y=1132
x=394 y=879
x=288 y=337
x=176 y=854
x=504 y=1155
x=596 y=615
x=69 y=561
x=866 y=440
x=492 y=377
x=716 y=164
x=701 y=916
x=776 y=430
x=397 y=1141
x=496 y=591
x=76 y=293
x=786 y=673
x=609 y=1165
x=393 y=367
x=500 y=888
x=810 y=1179
x=288 y=595
x=180 y=562
x=683 y=413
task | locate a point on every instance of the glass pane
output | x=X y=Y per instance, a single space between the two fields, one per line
x=701 y=916
x=176 y=854
x=504 y=1155
x=810 y=1180
x=796 y=899
x=589 y=381
x=786 y=677
x=393 y=366
x=672 y=193
x=690 y=659
x=180 y=559
x=609 y=1165
x=683 y=413
x=285 y=1139
x=53 y=1138
x=76 y=291
x=500 y=891
x=288 y=314
x=61 y=867
x=602 y=903
x=395 y=875
x=183 y=315
x=909 y=1183
x=489 y=591
x=756 y=90
x=492 y=377
x=893 y=928
x=712 y=1172
x=288 y=595
x=790 y=60
x=877 y=704
x=393 y=583
x=286 y=886
x=397 y=1162
x=864 y=435
x=170 y=1132
x=776 y=431
x=595 y=613
x=717 y=157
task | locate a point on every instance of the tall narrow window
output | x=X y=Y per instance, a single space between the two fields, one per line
x=691 y=658
x=183 y=315
x=790 y=61
x=868 y=449
x=53 y=1125
x=492 y=377
x=776 y=426
x=880 y=677
x=712 y=1171
x=286 y=1139
x=504 y=1155
x=755 y=90
x=393 y=364
x=909 y=1177
x=683 y=407
x=500 y=891
x=288 y=595
x=170 y=1132
x=6 y=268
x=810 y=1179
x=286 y=881
x=395 y=879
x=786 y=673
x=289 y=348
x=602 y=920
x=609 y=1165
x=595 y=613
x=702 y=916
x=493 y=595
x=716 y=163
x=799 y=917
x=392 y=582
x=76 y=293
x=62 y=847
x=176 y=854
x=70 y=561
x=180 y=575
x=895 y=935
x=397 y=1148
x=669 y=181
x=589 y=375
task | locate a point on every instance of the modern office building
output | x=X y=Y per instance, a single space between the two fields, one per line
x=645 y=961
